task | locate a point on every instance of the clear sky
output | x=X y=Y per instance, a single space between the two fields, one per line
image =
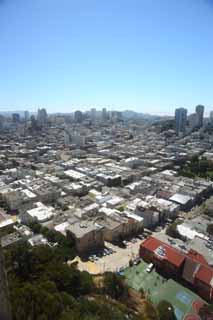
x=146 y=55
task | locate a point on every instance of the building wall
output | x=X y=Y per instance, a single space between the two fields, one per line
x=91 y=241
x=203 y=289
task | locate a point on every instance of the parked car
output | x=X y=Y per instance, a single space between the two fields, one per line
x=140 y=236
x=150 y=267
x=182 y=247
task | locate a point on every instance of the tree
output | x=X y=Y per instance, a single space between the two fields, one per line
x=35 y=227
x=114 y=286
x=166 y=311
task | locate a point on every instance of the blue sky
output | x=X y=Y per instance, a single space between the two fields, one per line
x=146 y=55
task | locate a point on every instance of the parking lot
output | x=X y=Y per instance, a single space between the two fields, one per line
x=113 y=258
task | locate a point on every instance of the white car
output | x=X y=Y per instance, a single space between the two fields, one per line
x=150 y=267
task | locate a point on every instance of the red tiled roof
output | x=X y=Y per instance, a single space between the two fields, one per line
x=172 y=255
x=197 y=257
x=204 y=274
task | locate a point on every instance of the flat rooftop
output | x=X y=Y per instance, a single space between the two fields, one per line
x=80 y=228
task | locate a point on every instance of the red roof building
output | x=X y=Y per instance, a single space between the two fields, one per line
x=192 y=267
x=165 y=257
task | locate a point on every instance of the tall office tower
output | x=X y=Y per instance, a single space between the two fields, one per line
x=93 y=114
x=16 y=117
x=104 y=114
x=42 y=116
x=1 y=121
x=200 y=111
x=211 y=118
x=180 y=120
x=193 y=120
x=78 y=116
x=119 y=115
x=26 y=116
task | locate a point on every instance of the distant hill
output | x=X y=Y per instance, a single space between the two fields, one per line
x=129 y=114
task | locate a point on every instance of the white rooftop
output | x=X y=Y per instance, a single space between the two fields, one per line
x=180 y=198
x=42 y=212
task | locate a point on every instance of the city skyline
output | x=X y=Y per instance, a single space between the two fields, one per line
x=142 y=56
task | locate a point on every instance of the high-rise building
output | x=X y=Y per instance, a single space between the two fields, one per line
x=200 y=111
x=104 y=114
x=16 y=117
x=2 y=119
x=42 y=116
x=26 y=115
x=211 y=118
x=193 y=120
x=93 y=114
x=78 y=116
x=180 y=120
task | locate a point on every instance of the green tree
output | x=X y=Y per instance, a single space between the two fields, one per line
x=114 y=286
x=166 y=311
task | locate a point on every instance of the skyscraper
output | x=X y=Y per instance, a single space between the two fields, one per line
x=78 y=116
x=16 y=117
x=93 y=114
x=211 y=118
x=200 y=111
x=104 y=114
x=180 y=120
x=42 y=116
x=26 y=115
x=193 y=121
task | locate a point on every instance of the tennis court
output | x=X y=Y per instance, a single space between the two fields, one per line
x=180 y=297
x=158 y=289
x=137 y=277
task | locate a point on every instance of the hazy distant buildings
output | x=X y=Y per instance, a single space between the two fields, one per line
x=16 y=117
x=104 y=114
x=66 y=138
x=78 y=140
x=211 y=118
x=78 y=116
x=42 y=116
x=26 y=115
x=200 y=111
x=93 y=114
x=180 y=120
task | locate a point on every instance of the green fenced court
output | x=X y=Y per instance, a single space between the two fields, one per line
x=157 y=288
